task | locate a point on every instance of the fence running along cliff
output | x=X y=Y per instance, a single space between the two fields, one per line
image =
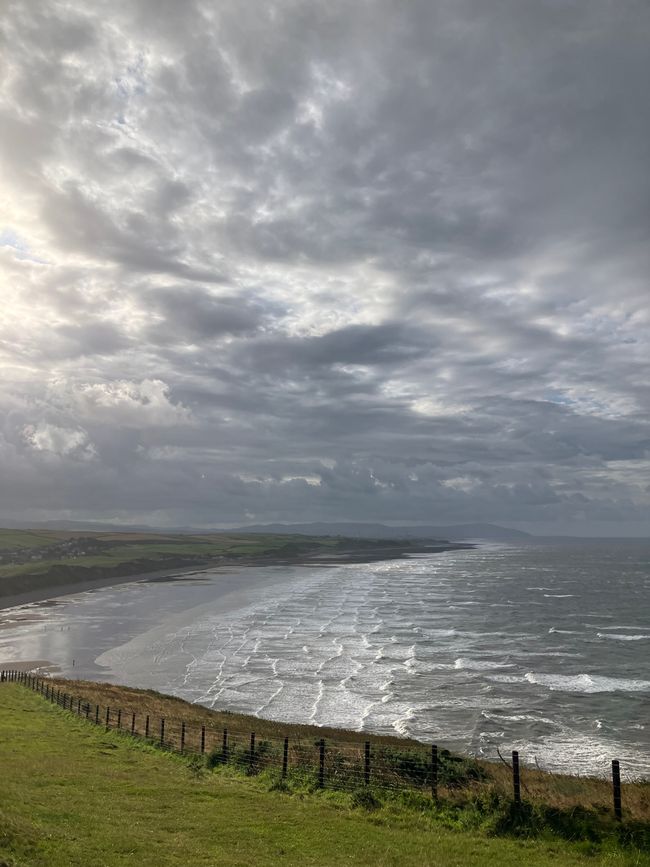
x=333 y=764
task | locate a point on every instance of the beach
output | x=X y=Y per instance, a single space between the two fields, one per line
x=497 y=647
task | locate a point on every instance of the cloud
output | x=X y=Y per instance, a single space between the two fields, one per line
x=310 y=261
x=58 y=440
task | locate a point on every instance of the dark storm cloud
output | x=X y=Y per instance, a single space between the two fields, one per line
x=297 y=260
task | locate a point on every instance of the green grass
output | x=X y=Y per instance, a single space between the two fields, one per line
x=12 y=539
x=124 y=554
x=73 y=794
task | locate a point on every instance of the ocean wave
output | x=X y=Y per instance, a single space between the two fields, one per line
x=479 y=664
x=587 y=682
x=618 y=637
x=516 y=717
x=564 y=631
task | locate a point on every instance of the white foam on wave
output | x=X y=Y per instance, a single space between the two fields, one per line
x=479 y=664
x=516 y=717
x=401 y=724
x=586 y=683
x=559 y=595
x=553 y=630
x=619 y=637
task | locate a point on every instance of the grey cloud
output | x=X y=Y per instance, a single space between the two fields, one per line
x=296 y=260
x=193 y=313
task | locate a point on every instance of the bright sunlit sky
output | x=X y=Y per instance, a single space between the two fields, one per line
x=283 y=261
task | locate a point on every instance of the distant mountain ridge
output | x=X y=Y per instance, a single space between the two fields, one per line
x=454 y=532
x=352 y=530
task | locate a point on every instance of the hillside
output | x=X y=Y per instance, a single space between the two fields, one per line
x=76 y=794
x=37 y=561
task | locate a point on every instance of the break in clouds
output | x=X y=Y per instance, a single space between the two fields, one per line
x=310 y=261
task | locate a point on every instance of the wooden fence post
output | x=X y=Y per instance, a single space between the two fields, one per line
x=133 y=723
x=96 y=714
x=434 y=772
x=285 y=757
x=366 y=763
x=251 y=754
x=616 y=784
x=162 y=732
x=146 y=727
x=119 y=718
x=202 y=739
x=183 y=736
x=87 y=709
x=516 y=783
x=108 y=718
x=224 y=747
x=321 y=763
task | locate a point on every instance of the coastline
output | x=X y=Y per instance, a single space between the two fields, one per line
x=185 y=570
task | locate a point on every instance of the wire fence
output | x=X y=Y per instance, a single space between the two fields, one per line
x=317 y=762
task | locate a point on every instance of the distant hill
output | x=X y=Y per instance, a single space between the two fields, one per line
x=455 y=532
x=351 y=530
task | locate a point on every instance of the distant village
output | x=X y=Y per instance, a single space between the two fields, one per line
x=68 y=548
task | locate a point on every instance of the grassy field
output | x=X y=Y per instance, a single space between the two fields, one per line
x=74 y=794
x=563 y=791
x=32 y=560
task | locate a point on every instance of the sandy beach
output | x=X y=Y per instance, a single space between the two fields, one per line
x=369 y=555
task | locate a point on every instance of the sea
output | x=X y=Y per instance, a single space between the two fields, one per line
x=543 y=648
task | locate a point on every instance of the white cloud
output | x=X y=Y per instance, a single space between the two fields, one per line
x=60 y=441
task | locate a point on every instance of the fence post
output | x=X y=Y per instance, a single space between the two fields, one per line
x=251 y=756
x=78 y=707
x=162 y=732
x=366 y=763
x=616 y=783
x=87 y=709
x=202 y=739
x=108 y=717
x=133 y=723
x=96 y=714
x=146 y=727
x=321 y=763
x=434 y=772
x=516 y=784
x=285 y=757
x=119 y=718
x=183 y=736
x=224 y=748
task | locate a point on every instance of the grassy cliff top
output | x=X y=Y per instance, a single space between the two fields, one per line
x=75 y=794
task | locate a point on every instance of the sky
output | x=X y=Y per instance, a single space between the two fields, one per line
x=295 y=261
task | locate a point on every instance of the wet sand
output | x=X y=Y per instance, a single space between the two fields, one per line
x=369 y=555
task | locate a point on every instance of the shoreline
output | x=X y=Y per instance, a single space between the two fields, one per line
x=369 y=555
